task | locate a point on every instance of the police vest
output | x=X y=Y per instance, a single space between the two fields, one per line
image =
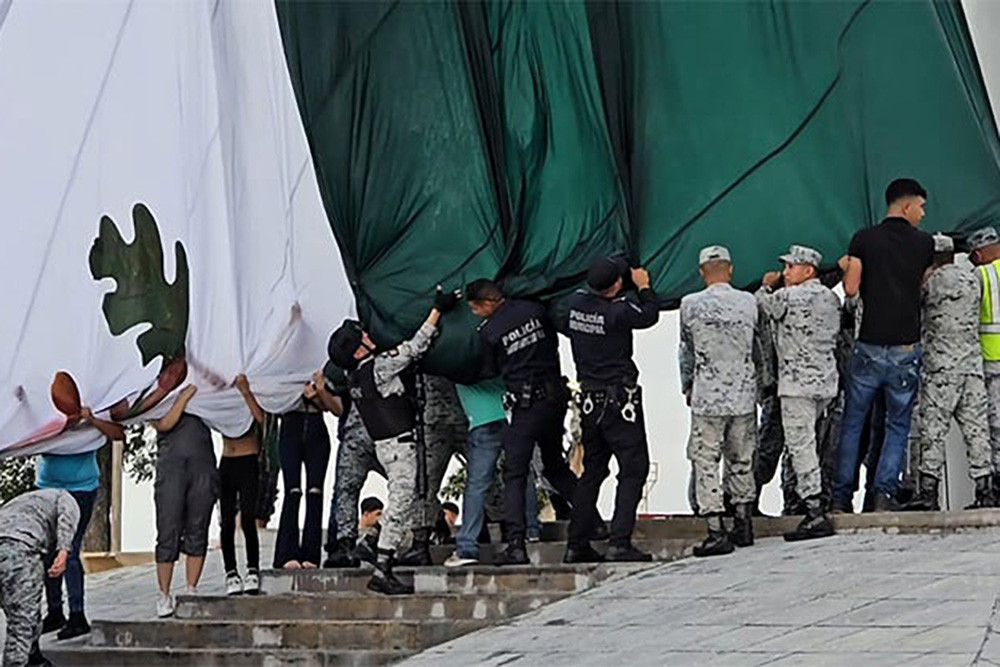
x=989 y=312
x=384 y=417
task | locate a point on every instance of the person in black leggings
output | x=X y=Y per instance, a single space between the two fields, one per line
x=239 y=474
x=303 y=440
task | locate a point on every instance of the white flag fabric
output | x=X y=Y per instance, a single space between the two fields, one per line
x=177 y=117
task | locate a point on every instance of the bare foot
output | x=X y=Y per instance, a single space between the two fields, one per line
x=306 y=565
x=292 y=565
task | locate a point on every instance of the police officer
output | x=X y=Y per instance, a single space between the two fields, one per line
x=718 y=377
x=34 y=527
x=952 y=383
x=519 y=338
x=599 y=324
x=984 y=252
x=382 y=388
x=807 y=318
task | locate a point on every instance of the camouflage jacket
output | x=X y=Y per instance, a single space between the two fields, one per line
x=807 y=321
x=389 y=365
x=43 y=520
x=951 y=322
x=718 y=354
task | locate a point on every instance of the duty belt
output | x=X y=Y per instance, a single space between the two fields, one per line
x=526 y=394
x=627 y=396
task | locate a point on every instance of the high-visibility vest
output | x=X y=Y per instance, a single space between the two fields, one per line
x=989 y=312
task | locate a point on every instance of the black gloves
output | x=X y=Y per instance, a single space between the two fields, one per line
x=445 y=301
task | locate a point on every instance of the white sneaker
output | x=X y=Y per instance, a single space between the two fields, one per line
x=164 y=606
x=191 y=590
x=251 y=584
x=455 y=560
x=234 y=585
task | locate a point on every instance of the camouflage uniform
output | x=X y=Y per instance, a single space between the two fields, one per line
x=808 y=319
x=718 y=332
x=952 y=382
x=770 y=436
x=33 y=527
x=398 y=454
x=446 y=430
x=355 y=459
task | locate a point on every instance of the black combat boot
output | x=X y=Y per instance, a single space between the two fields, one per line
x=76 y=626
x=36 y=659
x=514 y=554
x=742 y=535
x=838 y=507
x=985 y=496
x=814 y=525
x=419 y=553
x=927 y=499
x=343 y=555
x=383 y=580
x=626 y=553
x=582 y=554
x=54 y=620
x=717 y=543
x=885 y=503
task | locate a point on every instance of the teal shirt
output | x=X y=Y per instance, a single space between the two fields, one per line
x=482 y=401
x=70 y=472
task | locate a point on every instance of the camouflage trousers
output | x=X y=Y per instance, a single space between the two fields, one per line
x=947 y=395
x=398 y=457
x=355 y=459
x=800 y=418
x=993 y=392
x=712 y=439
x=22 y=580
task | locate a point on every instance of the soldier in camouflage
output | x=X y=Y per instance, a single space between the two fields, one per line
x=34 y=527
x=984 y=252
x=718 y=377
x=382 y=389
x=952 y=382
x=807 y=318
x=446 y=430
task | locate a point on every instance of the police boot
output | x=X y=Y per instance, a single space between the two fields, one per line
x=383 y=580
x=814 y=525
x=626 y=553
x=717 y=543
x=514 y=554
x=419 y=553
x=582 y=554
x=36 y=659
x=985 y=496
x=927 y=499
x=343 y=555
x=742 y=535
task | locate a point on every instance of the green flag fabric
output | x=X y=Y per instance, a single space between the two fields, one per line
x=521 y=140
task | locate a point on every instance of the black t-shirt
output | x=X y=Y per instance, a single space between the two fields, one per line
x=894 y=256
x=521 y=341
x=600 y=330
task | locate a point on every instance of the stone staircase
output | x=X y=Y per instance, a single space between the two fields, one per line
x=327 y=617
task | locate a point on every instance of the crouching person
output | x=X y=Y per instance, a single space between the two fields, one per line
x=383 y=389
x=33 y=527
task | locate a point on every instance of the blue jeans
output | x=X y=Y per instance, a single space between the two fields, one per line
x=483 y=450
x=74 y=568
x=896 y=371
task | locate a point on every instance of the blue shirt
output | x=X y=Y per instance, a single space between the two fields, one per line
x=71 y=472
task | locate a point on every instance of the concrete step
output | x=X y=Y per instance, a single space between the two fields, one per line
x=91 y=656
x=684 y=526
x=381 y=635
x=331 y=606
x=472 y=580
x=548 y=553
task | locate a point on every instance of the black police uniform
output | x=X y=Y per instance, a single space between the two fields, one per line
x=600 y=330
x=522 y=342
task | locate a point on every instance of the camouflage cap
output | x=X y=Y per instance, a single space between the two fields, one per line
x=981 y=238
x=943 y=243
x=713 y=253
x=800 y=254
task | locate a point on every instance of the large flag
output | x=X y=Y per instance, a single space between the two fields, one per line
x=162 y=223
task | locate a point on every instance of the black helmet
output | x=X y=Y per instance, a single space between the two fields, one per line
x=343 y=343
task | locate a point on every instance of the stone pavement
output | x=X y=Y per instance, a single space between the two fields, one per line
x=866 y=599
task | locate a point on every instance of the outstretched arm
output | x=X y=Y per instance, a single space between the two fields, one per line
x=243 y=384
x=169 y=420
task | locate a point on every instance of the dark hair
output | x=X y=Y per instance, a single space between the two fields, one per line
x=371 y=504
x=903 y=187
x=343 y=343
x=483 y=289
x=450 y=506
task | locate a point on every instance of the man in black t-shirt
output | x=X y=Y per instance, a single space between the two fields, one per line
x=885 y=264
